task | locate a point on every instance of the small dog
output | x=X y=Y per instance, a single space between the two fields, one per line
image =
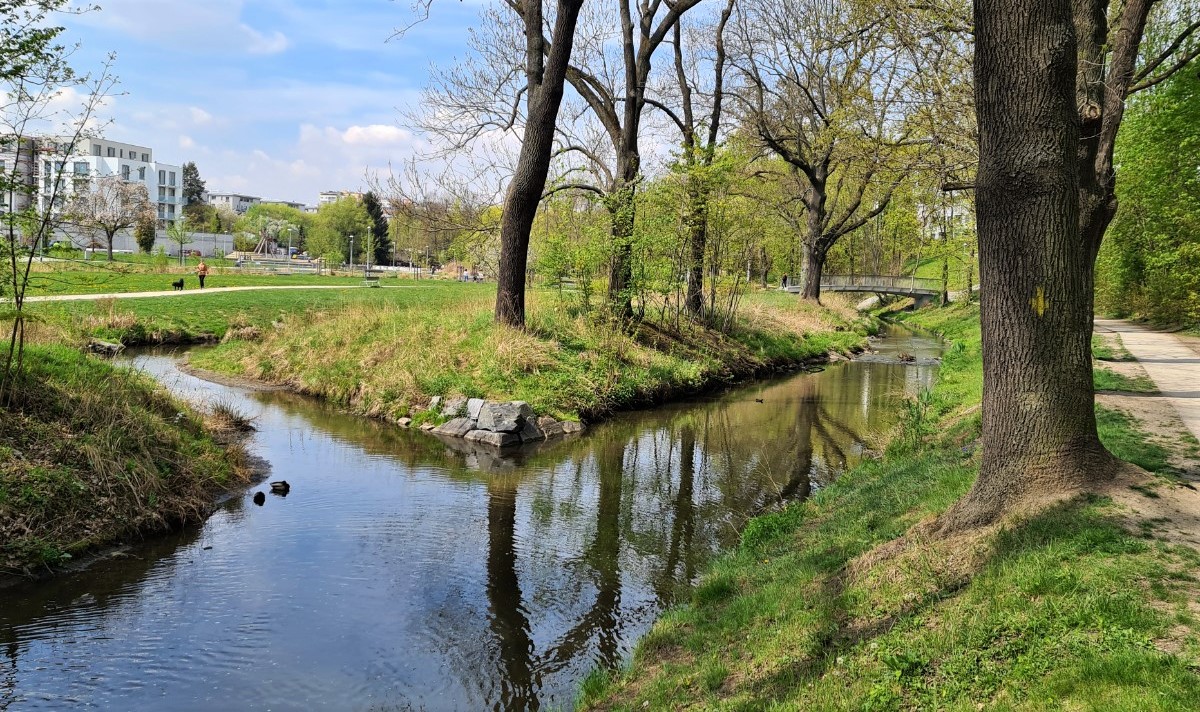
x=178 y=284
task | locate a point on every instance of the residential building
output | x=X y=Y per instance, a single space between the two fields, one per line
x=298 y=206
x=16 y=168
x=55 y=169
x=332 y=196
x=239 y=203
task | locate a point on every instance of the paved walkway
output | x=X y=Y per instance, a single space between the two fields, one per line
x=192 y=292
x=1172 y=365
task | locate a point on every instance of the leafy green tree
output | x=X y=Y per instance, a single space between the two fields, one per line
x=381 y=239
x=180 y=233
x=144 y=232
x=193 y=189
x=334 y=227
x=1150 y=263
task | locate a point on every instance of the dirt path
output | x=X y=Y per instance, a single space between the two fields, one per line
x=192 y=292
x=1170 y=363
x=1171 y=417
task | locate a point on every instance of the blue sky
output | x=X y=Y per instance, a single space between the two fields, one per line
x=277 y=98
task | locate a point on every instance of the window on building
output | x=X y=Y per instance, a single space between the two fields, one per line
x=142 y=173
x=172 y=181
x=112 y=152
x=81 y=168
x=121 y=153
x=145 y=158
x=95 y=149
x=125 y=172
x=162 y=177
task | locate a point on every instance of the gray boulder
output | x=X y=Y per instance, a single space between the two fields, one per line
x=456 y=428
x=530 y=432
x=473 y=407
x=504 y=417
x=493 y=438
x=550 y=427
x=571 y=426
x=454 y=407
x=404 y=422
x=435 y=402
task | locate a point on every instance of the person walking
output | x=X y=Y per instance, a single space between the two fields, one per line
x=202 y=272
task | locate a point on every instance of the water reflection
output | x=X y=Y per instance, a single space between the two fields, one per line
x=405 y=572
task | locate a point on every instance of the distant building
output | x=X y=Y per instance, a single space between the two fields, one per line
x=54 y=170
x=298 y=206
x=236 y=202
x=332 y=196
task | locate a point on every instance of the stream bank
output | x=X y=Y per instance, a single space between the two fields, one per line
x=401 y=571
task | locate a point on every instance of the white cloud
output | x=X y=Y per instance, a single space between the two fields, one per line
x=187 y=26
x=186 y=142
x=200 y=117
x=376 y=135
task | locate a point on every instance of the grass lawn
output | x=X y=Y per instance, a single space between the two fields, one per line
x=1068 y=610
x=192 y=318
x=123 y=278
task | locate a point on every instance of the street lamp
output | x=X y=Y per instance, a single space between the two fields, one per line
x=352 y=252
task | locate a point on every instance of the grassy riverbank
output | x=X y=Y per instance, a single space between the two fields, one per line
x=91 y=455
x=388 y=358
x=1074 y=609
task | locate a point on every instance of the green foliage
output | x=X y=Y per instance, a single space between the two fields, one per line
x=193 y=186
x=1149 y=264
x=380 y=233
x=333 y=228
x=144 y=232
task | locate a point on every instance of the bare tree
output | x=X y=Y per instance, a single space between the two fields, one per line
x=826 y=93
x=109 y=205
x=546 y=61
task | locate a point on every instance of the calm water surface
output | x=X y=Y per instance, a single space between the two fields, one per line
x=405 y=573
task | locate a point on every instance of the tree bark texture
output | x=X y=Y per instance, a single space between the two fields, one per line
x=545 y=93
x=1039 y=426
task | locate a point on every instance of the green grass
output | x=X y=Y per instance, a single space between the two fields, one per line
x=1107 y=380
x=1109 y=349
x=1068 y=610
x=186 y=319
x=123 y=279
x=386 y=359
x=90 y=455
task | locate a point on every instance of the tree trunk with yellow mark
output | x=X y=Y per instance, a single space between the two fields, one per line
x=1039 y=426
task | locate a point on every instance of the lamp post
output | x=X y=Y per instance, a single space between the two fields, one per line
x=352 y=252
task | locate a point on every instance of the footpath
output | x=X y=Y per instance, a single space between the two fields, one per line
x=1172 y=364
x=188 y=292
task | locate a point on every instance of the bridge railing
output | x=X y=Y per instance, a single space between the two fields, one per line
x=871 y=283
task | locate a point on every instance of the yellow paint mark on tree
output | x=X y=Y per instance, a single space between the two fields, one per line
x=1039 y=302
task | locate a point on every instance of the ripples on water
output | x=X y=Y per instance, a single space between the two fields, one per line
x=407 y=573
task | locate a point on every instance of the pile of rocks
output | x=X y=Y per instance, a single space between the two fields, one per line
x=497 y=424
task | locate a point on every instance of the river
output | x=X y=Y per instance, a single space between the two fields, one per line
x=404 y=573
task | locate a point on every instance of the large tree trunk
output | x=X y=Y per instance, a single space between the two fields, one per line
x=529 y=179
x=1039 y=426
x=813 y=268
x=621 y=206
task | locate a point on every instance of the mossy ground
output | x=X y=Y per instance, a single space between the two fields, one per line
x=1068 y=610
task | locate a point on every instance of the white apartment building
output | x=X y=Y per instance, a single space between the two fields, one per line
x=237 y=202
x=332 y=196
x=54 y=172
x=15 y=167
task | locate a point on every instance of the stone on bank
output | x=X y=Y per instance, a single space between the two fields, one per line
x=498 y=424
